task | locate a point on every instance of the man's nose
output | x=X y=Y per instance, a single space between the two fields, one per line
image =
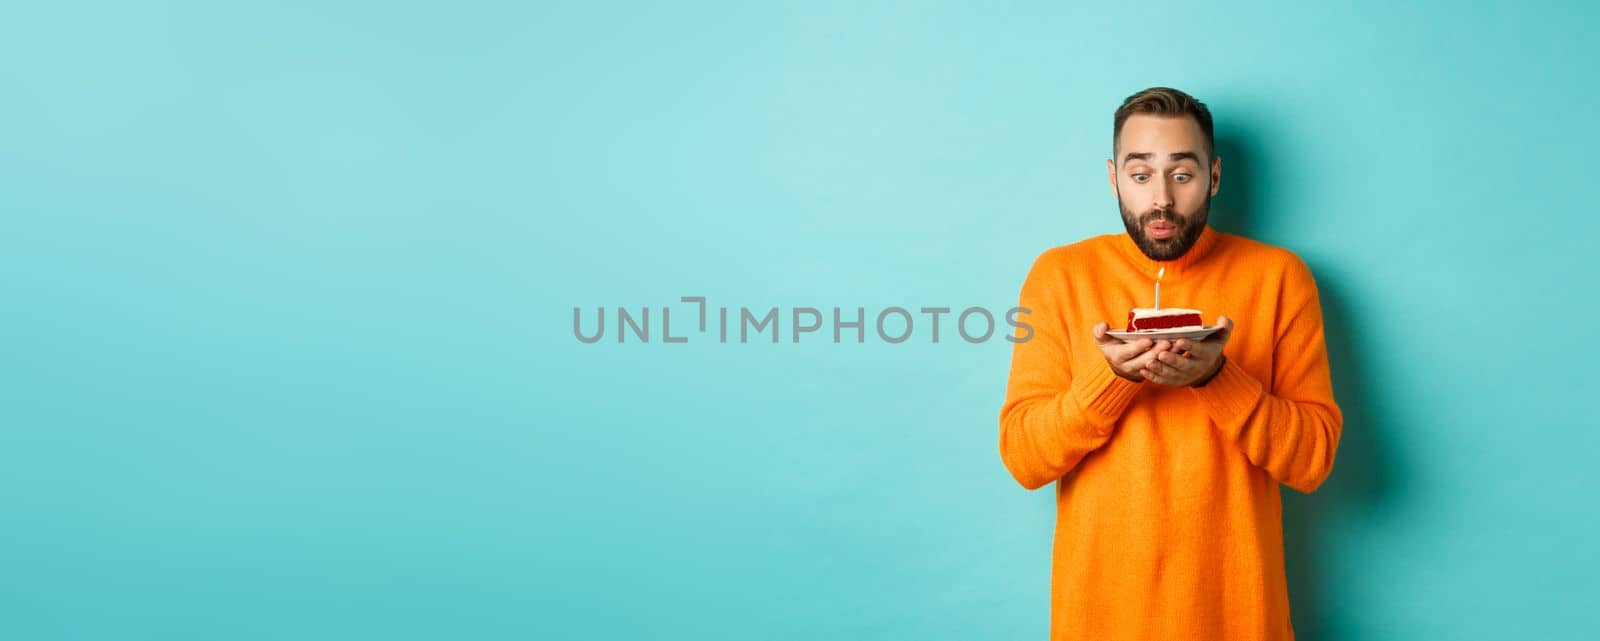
x=1163 y=196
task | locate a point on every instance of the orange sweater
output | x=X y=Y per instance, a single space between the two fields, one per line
x=1168 y=520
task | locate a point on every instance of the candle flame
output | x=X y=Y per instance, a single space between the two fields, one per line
x=1160 y=272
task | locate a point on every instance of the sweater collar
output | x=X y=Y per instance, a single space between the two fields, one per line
x=1187 y=262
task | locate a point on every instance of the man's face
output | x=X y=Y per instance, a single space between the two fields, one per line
x=1162 y=183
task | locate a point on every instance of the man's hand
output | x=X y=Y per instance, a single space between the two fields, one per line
x=1128 y=359
x=1189 y=361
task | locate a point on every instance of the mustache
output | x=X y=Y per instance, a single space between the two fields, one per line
x=1165 y=216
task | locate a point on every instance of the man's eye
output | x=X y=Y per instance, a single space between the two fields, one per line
x=1139 y=178
x=1183 y=178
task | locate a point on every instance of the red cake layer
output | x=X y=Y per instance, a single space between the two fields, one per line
x=1163 y=322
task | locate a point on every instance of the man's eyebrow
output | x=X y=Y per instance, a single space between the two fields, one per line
x=1176 y=156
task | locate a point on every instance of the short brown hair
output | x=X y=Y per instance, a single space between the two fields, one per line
x=1164 y=101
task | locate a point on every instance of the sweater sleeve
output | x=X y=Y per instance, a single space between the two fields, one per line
x=1290 y=429
x=1053 y=417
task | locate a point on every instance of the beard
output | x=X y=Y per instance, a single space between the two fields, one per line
x=1189 y=227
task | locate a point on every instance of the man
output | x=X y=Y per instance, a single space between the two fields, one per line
x=1167 y=455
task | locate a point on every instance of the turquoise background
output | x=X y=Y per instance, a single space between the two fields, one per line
x=288 y=291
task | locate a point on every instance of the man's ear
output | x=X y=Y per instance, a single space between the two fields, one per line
x=1111 y=175
x=1216 y=174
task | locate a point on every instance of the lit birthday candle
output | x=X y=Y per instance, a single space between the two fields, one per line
x=1162 y=271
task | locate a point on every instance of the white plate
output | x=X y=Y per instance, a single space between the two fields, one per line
x=1191 y=333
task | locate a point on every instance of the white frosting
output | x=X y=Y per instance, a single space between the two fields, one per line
x=1151 y=312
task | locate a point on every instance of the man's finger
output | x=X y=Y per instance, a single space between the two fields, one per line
x=1124 y=353
x=1143 y=360
x=1145 y=346
x=1156 y=377
x=1166 y=373
x=1165 y=366
x=1100 y=335
x=1227 y=330
x=1205 y=349
x=1182 y=365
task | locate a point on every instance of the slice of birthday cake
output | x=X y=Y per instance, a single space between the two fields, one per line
x=1148 y=318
